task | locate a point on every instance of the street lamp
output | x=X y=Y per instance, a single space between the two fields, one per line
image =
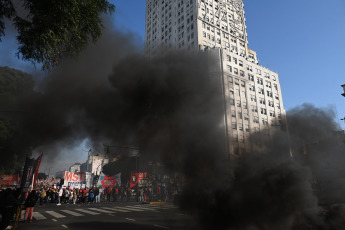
x=343 y=94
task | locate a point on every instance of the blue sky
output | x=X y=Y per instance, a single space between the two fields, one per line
x=303 y=40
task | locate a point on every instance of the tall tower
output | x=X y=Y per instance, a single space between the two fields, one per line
x=252 y=94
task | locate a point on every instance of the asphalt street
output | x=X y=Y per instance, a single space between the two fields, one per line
x=111 y=215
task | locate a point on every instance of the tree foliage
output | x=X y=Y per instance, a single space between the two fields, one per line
x=53 y=29
x=14 y=85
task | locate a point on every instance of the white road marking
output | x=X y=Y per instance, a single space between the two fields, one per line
x=72 y=213
x=129 y=219
x=88 y=212
x=153 y=209
x=132 y=209
x=54 y=220
x=116 y=209
x=64 y=226
x=55 y=214
x=101 y=210
x=38 y=216
x=161 y=226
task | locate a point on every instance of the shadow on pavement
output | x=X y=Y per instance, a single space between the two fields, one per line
x=109 y=225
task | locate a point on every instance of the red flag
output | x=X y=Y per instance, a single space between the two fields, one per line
x=38 y=163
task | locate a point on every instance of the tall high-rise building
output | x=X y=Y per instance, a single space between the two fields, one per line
x=253 y=99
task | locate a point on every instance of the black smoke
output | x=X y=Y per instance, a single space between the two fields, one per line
x=290 y=180
x=172 y=109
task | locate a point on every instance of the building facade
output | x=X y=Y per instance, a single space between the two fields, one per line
x=252 y=94
x=94 y=164
x=74 y=168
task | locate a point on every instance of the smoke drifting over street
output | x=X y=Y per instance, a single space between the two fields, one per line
x=267 y=189
x=169 y=107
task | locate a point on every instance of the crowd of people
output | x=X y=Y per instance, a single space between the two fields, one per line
x=10 y=198
x=94 y=195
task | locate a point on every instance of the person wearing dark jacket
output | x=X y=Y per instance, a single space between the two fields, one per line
x=8 y=206
x=30 y=204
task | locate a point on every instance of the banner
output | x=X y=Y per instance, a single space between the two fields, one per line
x=10 y=180
x=136 y=178
x=73 y=179
x=109 y=182
x=28 y=172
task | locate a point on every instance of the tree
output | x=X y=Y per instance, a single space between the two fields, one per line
x=53 y=29
x=14 y=85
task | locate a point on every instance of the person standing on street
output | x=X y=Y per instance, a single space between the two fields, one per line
x=60 y=196
x=74 y=194
x=141 y=195
x=8 y=205
x=108 y=193
x=42 y=196
x=30 y=204
x=113 y=194
x=67 y=194
x=97 y=195
x=129 y=191
x=91 y=195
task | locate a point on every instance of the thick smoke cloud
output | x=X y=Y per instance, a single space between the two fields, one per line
x=268 y=189
x=170 y=108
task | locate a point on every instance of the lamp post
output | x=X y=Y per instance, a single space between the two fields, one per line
x=343 y=94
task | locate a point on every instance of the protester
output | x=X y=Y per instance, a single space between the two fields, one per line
x=129 y=192
x=67 y=195
x=8 y=206
x=97 y=195
x=122 y=193
x=141 y=195
x=85 y=195
x=52 y=195
x=91 y=195
x=43 y=194
x=30 y=204
x=74 y=195
x=108 y=193
x=60 y=196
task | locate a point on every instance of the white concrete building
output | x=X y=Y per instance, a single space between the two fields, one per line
x=253 y=98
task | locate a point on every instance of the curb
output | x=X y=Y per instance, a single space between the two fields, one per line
x=158 y=202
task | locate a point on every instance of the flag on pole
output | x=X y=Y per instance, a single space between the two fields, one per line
x=30 y=168
x=37 y=168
